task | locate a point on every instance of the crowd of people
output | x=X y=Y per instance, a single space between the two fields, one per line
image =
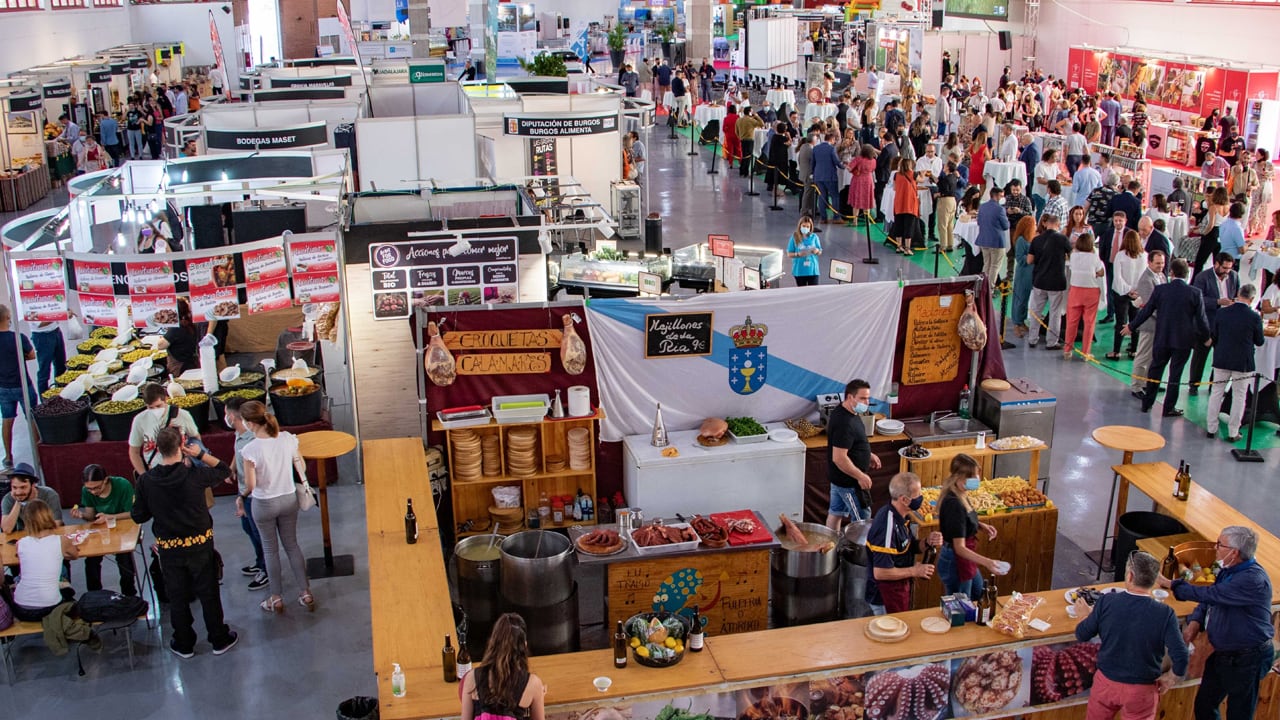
x=134 y=134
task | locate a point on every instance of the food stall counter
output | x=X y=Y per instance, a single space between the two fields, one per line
x=767 y=476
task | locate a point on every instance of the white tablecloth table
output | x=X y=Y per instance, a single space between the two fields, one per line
x=1176 y=228
x=706 y=113
x=818 y=110
x=1253 y=262
x=926 y=208
x=668 y=99
x=1000 y=173
x=1267 y=360
x=777 y=97
x=966 y=233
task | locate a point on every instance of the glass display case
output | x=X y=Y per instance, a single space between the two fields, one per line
x=608 y=270
x=695 y=267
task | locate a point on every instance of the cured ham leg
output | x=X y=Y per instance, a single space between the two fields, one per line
x=573 y=352
x=438 y=361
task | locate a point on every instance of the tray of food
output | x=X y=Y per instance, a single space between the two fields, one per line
x=744 y=529
x=745 y=430
x=1089 y=594
x=985 y=503
x=1016 y=442
x=659 y=539
x=1023 y=498
x=600 y=542
x=915 y=451
x=804 y=428
x=714 y=534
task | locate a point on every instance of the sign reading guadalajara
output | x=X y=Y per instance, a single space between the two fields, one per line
x=561 y=125
x=268 y=139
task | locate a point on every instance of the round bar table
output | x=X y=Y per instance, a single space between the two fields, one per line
x=321 y=446
x=1130 y=440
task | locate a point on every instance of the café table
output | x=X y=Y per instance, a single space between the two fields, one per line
x=706 y=113
x=1129 y=440
x=821 y=111
x=1000 y=173
x=99 y=542
x=326 y=445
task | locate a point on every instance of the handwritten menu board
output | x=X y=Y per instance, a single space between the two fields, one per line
x=668 y=335
x=932 y=348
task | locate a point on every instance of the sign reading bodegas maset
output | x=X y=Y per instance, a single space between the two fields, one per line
x=268 y=139
x=561 y=125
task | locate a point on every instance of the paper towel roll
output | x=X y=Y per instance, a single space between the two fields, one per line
x=579 y=400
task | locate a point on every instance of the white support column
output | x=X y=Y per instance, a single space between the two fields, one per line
x=697 y=28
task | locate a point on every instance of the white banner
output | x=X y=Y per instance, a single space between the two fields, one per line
x=814 y=340
x=448 y=13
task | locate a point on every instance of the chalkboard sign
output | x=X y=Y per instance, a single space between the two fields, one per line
x=668 y=335
x=932 y=348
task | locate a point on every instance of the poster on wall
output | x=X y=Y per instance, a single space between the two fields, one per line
x=442 y=272
x=154 y=310
x=1146 y=79
x=44 y=305
x=268 y=295
x=214 y=303
x=40 y=274
x=99 y=310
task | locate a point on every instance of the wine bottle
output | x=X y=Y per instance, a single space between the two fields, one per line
x=697 y=639
x=450 y=660
x=410 y=525
x=1169 y=568
x=464 y=657
x=982 y=613
x=1184 y=484
x=619 y=647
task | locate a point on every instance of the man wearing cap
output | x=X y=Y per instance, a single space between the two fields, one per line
x=24 y=485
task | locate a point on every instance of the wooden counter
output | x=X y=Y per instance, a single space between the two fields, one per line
x=935 y=468
x=1203 y=512
x=817 y=484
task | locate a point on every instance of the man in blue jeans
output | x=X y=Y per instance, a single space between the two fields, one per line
x=51 y=353
x=849 y=456
x=11 y=390
x=244 y=502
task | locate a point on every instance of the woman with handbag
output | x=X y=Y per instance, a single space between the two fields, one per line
x=269 y=462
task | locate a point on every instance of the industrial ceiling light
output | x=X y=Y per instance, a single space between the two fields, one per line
x=459 y=247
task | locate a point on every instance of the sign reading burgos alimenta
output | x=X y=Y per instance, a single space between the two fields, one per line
x=561 y=125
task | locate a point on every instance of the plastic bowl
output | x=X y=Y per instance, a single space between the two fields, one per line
x=602 y=683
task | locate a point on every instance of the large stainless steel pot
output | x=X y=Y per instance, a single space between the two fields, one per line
x=537 y=568
x=798 y=564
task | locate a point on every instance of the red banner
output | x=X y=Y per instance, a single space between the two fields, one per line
x=46 y=305
x=94 y=277
x=218 y=59
x=1233 y=92
x=1211 y=98
x=1075 y=66
x=345 y=21
x=1089 y=71
x=150 y=278
x=1262 y=85
x=98 y=309
x=159 y=310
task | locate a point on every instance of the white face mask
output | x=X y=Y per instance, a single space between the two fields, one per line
x=160 y=412
x=227 y=419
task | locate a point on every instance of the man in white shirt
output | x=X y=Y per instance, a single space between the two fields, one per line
x=180 y=101
x=1009 y=143
x=930 y=165
x=218 y=79
x=148 y=424
x=1077 y=149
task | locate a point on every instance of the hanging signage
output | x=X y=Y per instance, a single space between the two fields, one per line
x=140 y=62
x=442 y=272
x=264 y=264
x=94 y=277
x=150 y=278
x=311 y=82
x=57 y=90
x=561 y=125
x=209 y=272
x=154 y=310
x=670 y=335
x=25 y=103
x=120 y=68
x=43 y=305
x=102 y=75
x=932 y=348
x=321 y=287
x=309 y=135
x=98 y=309
x=312 y=256
x=44 y=273
x=268 y=295
x=214 y=303
x=295 y=94
x=427 y=72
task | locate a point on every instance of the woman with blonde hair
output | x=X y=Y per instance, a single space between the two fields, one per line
x=1129 y=264
x=958 y=562
x=40 y=555
x=269 y=461
x=501 y=686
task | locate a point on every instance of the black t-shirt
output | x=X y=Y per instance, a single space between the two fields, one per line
x=955 y=520
x=845 y=430
x=677 y=86
x=1050 y=271
x=10 y=377
x=182 y=347
x=133 y=120
x=891 y=545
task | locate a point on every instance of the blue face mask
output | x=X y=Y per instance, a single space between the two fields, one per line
x=916 y=502
x=972 y=483
x=861 y=407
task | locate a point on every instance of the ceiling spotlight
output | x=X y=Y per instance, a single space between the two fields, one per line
x=460 y=247
x=119 y=239
x=184 y=176
x=224 y=176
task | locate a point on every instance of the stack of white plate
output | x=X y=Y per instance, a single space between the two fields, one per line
x=889 y=426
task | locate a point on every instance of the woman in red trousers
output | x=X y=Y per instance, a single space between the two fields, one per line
x=1084 y=294
x=732 y=146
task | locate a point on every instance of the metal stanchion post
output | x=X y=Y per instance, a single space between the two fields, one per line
x=714 y=154
x=1247 y=454
x=751 y=174
x=1004 y=313
x=870 y=259
x=693 y=139
x=776 y=181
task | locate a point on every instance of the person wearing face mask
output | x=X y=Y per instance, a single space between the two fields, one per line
x=849 y=456
x=143 y=452
x=893 y=548
x=803 y=248
x=958 y=562
x=1236 y=612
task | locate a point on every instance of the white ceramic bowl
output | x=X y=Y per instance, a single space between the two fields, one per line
x=889 y=426
x=783 y=435
x=1160 y=594
x=602 y=683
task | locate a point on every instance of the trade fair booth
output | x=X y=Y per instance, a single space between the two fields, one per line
x=24 y=175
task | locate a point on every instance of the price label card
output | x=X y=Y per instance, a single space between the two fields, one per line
x=751 y=278
x=216 y=271
x=94 y=277
x=315 y=288
x=150 y=278
x=214 y=303
x=649 y=283
x=152 y=310
x=264 y=264
x=313 y=256
x=98 y=309
x=40 y=274
x=43 y=305
x=269 y=295
x=841 y=271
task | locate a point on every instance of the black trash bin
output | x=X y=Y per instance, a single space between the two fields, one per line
x=358 y=708
x=1135 y=526
x=653 y=234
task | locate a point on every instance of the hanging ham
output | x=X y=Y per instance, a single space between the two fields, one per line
x=971 y=328
x=573 y=352
x=438 y=361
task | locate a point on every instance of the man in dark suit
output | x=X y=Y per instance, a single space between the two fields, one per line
x=826 y=175
x=1237 y=330
x=1128 y=203
x=886 y=162
x=1180 y=325
x=1218 y=285
x=1152 y=237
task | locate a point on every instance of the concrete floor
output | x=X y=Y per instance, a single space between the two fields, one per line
x=302 y=665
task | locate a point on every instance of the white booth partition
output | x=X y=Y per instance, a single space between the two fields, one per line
x=276 y=125
x=771 y=42
x=402 y=152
